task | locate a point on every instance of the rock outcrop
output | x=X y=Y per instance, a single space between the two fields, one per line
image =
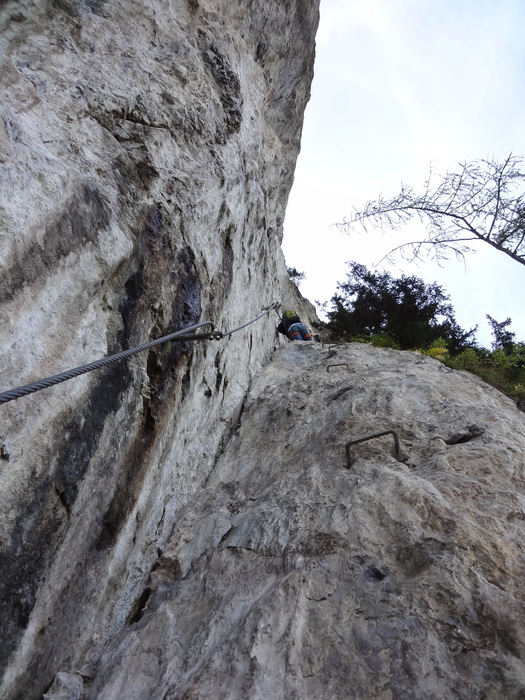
x=290 y=575
x=193 y=523
x=147 y=149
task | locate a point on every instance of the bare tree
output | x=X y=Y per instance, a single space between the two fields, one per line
x=483 y=201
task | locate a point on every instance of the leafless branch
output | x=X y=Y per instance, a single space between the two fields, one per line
x=483 y=200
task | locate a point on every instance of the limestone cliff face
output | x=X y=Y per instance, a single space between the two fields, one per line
x=147 y=149
x=184 y=525
x=289 y=575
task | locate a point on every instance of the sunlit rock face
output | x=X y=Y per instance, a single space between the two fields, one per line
x=147 y=149
x=292 y=575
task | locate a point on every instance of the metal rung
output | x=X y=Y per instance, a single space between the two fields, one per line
x=339 y=364
x=333 y=345
x=371 y=437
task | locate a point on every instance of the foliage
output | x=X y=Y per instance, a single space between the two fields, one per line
x=503 y=339
x=481 y=202
x=468 y=360
x=407 y=314
x=294 y=275
x=503 y=369
x=438 y=350
x=383 y=340
x=404 y=313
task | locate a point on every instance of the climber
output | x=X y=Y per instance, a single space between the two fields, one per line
x=292 y=327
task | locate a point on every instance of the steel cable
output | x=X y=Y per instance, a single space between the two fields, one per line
x=182 y=335
x=83 y=369
x=266 y=311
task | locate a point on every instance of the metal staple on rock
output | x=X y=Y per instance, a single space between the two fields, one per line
x=399 y=456
x=183 y=335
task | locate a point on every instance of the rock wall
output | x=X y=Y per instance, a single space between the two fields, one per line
x=185 y=524
x=147 y=149
x=294 y=576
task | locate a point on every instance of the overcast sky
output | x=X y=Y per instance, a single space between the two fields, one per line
x=401 y=84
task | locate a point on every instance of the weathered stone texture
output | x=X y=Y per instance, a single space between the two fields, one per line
x=147 y=148
x=292 y=576
x=183 y=525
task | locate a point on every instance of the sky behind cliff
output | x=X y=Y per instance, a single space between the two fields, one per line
x=398 y=86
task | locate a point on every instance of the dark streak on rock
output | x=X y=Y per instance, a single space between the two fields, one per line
x=230 y=87
x=67 y=6
x=162 y=362
x=139 y=607
x=340 y=393
x=36 y=539
x=79 y=224
x=44 y=518
x=227 y=259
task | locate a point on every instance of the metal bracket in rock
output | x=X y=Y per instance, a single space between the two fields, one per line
x=399 y=456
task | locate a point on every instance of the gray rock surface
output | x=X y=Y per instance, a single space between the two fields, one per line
x=291 y=576
x=184 y=524
x=147 y=149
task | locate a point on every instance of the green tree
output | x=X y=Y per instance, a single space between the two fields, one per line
x=503 y=366
x=484 y=201
x=503 y=338
x=413 y=314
